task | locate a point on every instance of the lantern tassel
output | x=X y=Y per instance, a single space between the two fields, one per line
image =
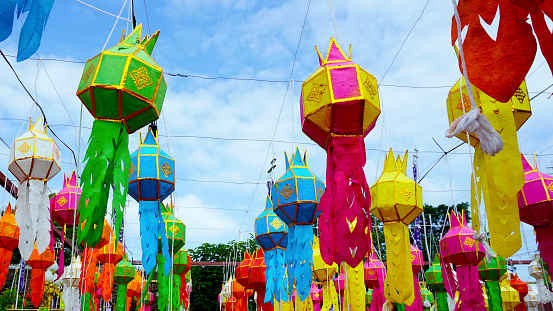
x=121 y=297
x=33 y=217
x=355 y=288
x=441 y=301
x=345 y=204
x=470 y=294
x=270 y=275
x=302 y=259
x=163 y=285
x=176 y=304
x=330 y=296
x=544 y=237
x=107 y=166
x=61 y=259
x=182 y=289
x=37 y=286
x=417 y=303
x=5 y=259
x=493 y=290
x=281 y=290
x=72 y=298
x=399 y=285
x=107 y=281
x=152 y=226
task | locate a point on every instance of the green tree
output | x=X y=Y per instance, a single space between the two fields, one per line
x=208 y=280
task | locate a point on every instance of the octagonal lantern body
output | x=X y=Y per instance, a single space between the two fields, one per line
x=64 y=203
x=152 y=171
x=416 y=259
x=124 y=84
x=9 y=231
x=458 y=243
x=72 y=274
x=426 y=295
x=535 y=200
x=109 y=253
x=374 y=271
x=34 y=155
x=339 y=98
x=534 y=268
x=135 y=286
x=434 y=279
x=493 y=270
x=270 y=231
x=124 y=272
x=243 y=271
x=41 y=261
x=296 y=194
x=509 y=295
x=257 y=271
x=174 y=228
x=396 y=197
x=520 y=104
x=181 y=261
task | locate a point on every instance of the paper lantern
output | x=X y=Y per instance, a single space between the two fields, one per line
x=71 y=277
x=427 y=297
x=324 y=274
x=124 y=273
x=491 y=272
x=416 y=266
x=458 y=247
x=257 y=279
x=9 y=239
x=397 y=201
x=295 y=196
x=123 y=88
x=522 y=289
x=375 y=273
x=174 y=228
x=532 y=300
x=368 y=297
x=39 y=263
x=501 y=175
x=434 y=281
x=271 y=234
x=316 y=296
x=509 y=296
x=339 y=107
x=181 y=265
x=151 y=180
x=109 y=255
x=34 y=159
x=242 y=271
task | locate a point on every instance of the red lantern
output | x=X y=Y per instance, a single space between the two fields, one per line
x=9 y=238
x=522 y=289
x=243 y=271
x=39 y=263
x=257 y=280
x=109 y=255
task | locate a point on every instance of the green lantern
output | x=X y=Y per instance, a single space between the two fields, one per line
x=175 y=229
x=426 y=296
x=124 y=273
x=490 y=273
x=434 y=281
x=368 y=297
x=123 y=88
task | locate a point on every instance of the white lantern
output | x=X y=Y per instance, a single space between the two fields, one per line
x=34 y=159
x=532 y=300
x=71 y=276
x=227 y=289
x=535 y=268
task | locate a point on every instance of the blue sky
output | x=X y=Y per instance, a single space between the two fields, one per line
x=221 y=185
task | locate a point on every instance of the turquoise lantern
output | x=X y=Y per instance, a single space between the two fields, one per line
x=295 y=197
x=271 y=234
x=151 y=180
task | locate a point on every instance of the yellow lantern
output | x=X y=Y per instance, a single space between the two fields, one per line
x=324 y=273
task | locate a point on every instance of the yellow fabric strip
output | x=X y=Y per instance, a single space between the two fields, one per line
x=398 y=286
x=355 y=295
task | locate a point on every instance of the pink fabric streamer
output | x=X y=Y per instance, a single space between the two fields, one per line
x=470 y=290
x=544 y=237
x=450 y=283
x=378 y=298
x=417 y=303
x=346 y=200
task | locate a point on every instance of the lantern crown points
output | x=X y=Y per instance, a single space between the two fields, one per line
x=38 y=126
x=296 y=159
x=151 y=138
x=457 y=220
x=398 y=164
x=334 y=54
x=147 y=43
x=527 y=166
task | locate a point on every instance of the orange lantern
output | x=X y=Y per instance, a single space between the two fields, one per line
x=243 y=271
x=9 y=238
x=134 y=288
x=109 y=255
x=39 y=263
x=257 y=279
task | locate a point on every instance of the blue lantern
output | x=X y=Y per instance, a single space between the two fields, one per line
x=272 y=236
x=151 y=180
x=295 y=197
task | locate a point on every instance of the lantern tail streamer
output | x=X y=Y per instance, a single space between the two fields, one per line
x=107 y=158
x=40 y=206
x=281 y=291
x=441 y=301
x=163 y=287
x=5 y=259
x=149 y=231
x=37 y=286
x=302 y=260
x=121 y=297
x=470 y=295
x=88 y=303
x=330 y=296
x=164 y=241
x=271 y=276
x=399 y=285
x=72 y=298
x=544 y=237
x=61 y=259
x=494 y=296
x=417 y=303
x=176 y=304
x=26 y=221
x=128 y=302
x=450 y=282
x=356 y=287
x=107 y=281
x=378 y=299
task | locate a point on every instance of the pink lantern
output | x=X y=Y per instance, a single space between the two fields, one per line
x=416 y=264
x=458 y=247
x=375 y=273
x=316 y=296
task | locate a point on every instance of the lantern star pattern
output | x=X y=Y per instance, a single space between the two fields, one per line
x=271 y=234
x=34 y=159
x=295 y=196
x=123 y=88
x=71 y=294
x=458 y=247
x=340 y=106
x=152 y=179
x=397 y=201
x=9 y=238
x=501 y=177
x=174 y=228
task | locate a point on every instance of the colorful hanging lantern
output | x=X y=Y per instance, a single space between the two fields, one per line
x=295 y=196
x=435 y=282
x=271 y=234
x=368 y=297
x=151 y=180
x=257 y=279
x=242 y=271
x=64 y=206
x=500 y=177
x=532 y=300
x=491 y=272
x=535 y=269
x=458 y=247
x=416 y=264
x=71 y=276
x=339 y=107
x=174 y=228
x=39 y=263
x=316 y=296
x=181 y=265
x=509 y=295
x=522 y=289
x=427 y=297
x=124 y=273
x=324 y=274
x=536 y=208
x=109 y=255
x=34 y=159
x=135 y=288
x=397 y=201
x=9 y=238
x=375 y=273
x=123 y=88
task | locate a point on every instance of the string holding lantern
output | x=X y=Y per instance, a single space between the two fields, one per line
x=324 y=273
x=375 y=273
x=123 y=88
x=498 y=177
x=272 y=235
x=522 y=289
x=109 y=255
x=124 y=273
x=458 y=247
x=339 y=107
x=63 y=206
x=151 y=180
x=416 y=264
x=34 y=160
x=71 y=294
x=39 y=263
x=434 y=281
x=295 y=197
x=491 y=272
x=397 y=201
x=9 y=239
